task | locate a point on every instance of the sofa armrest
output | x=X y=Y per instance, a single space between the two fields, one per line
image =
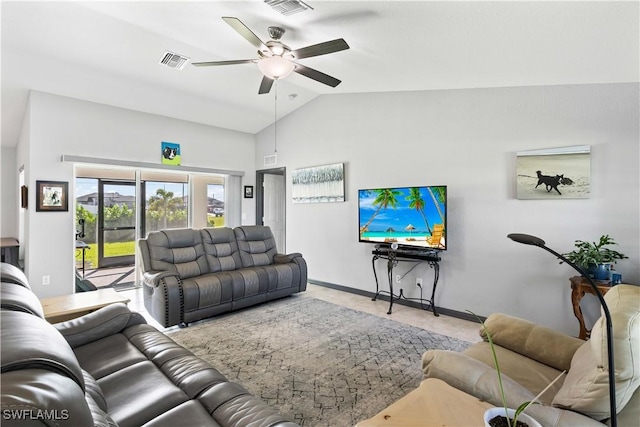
x=153 y=278
x=539 y=343
x=480 y=380
x=285 y=258
x=102 y=323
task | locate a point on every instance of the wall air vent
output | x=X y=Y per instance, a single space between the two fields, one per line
x=173 y=60
x=270 y=160
x=288 y=7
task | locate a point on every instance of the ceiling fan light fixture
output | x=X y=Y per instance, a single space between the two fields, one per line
x=276 y=67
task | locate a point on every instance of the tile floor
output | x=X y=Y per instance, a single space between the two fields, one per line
x=446 y=325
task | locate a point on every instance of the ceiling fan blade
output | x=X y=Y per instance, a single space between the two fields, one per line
x=320 y=49
x=265 y=85
x=234 y=62
x=317 y=75
x=245 y=32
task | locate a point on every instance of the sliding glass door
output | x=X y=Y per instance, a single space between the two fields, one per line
x=117 y=223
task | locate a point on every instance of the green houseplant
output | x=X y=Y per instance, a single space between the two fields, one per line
x=595 y=257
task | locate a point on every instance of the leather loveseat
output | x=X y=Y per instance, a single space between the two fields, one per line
x=532 y=356
x=109 y=368
x=194 y=274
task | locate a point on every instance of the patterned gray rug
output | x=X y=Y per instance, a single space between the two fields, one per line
x=318 y=363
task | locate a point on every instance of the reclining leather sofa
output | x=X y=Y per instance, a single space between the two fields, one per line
x=194 y=274
x=531 y=357
x=108 y=369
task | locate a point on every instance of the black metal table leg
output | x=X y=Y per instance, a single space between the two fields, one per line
x=436 y=274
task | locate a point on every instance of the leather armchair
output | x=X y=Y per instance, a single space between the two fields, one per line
x=531 y=356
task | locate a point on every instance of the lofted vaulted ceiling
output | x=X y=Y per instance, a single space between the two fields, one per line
x=108 y=52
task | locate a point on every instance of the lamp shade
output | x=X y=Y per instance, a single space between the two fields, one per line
x=276 y=67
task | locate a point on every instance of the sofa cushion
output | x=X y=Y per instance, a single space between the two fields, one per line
x=256 y=244
x=529 y=373
x=221 y=249
x=586 y=388
x=108 y=355
x=139 y=393
x=207 y=290
x=16 y=297
x=29 y=342
x=190 y=413
x=177 y=250
x=539 y=343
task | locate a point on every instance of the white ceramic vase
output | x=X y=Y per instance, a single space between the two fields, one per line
x=489 y=414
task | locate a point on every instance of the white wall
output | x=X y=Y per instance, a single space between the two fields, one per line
x=467 y=140
x=8 y=204
x=60 y=125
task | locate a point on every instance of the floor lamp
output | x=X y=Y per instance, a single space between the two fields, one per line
x=536 y=241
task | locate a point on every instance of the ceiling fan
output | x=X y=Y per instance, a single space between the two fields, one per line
x=276 y=60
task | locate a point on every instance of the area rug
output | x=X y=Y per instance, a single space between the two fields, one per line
x=318 y=363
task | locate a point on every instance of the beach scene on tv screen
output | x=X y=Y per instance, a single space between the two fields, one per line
x=412 y=216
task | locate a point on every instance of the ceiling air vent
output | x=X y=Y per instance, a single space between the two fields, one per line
x=173 y=60
x=288 y=7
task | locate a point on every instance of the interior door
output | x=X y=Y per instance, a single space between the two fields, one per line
x=273 y=204
x=116 y=223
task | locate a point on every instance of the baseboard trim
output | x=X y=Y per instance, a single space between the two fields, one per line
x=414 y=304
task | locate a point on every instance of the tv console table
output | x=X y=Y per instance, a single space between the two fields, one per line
x=418 y=257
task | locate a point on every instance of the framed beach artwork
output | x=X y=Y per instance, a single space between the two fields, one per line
x=319 y=184
x=554 y=173
x=52 y=196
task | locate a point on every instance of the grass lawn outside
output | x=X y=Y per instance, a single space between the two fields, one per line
x=125 y=248
x=110 y=250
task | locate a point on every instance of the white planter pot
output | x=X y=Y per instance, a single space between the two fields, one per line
x=489 y=414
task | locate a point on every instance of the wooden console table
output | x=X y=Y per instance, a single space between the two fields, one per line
x=416 y=256
x=67 y=307
x=434 y=403
x=579 y=287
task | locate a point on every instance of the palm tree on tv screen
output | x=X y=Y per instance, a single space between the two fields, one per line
x=384 y=198
x=417 y=202
x=438 y=199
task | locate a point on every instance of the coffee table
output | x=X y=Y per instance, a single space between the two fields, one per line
x=67 y=307
x=433 y=403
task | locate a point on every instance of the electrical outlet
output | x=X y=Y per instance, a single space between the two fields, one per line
x=398 y=278
x=46 y=280
x=418 y=281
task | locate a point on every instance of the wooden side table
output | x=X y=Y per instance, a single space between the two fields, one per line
x=67 y=307
x=579 y=287
x=434 y=403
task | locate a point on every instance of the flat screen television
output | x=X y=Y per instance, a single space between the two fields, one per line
x=412 y=217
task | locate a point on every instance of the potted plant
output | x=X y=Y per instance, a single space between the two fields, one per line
x=595 y=257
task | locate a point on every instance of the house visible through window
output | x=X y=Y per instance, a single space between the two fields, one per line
x=215 y=205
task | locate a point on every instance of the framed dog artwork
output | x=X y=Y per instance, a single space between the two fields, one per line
x=554 y=173
x=170 y=153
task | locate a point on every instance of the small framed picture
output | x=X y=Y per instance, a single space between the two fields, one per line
x=248 y=191
x=170 y=153
x=24 y=197
x=52 y=196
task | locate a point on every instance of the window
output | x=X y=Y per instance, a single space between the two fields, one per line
x=215 y=205
x=166 y=205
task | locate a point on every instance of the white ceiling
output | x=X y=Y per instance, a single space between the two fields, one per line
x=108 y=52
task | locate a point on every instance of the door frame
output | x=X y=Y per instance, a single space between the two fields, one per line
x=260 y=193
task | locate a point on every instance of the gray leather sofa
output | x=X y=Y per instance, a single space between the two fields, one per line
x=194 y=274
x=109 y=368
